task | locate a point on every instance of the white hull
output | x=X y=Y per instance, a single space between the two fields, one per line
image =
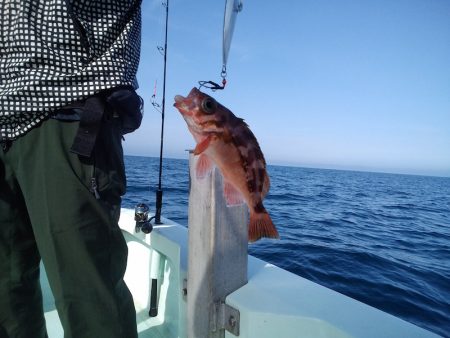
x=274 y=302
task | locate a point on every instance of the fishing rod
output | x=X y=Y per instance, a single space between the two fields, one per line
x=232 y=7
x=159 y=191
x=143 y=223
x=141 y=211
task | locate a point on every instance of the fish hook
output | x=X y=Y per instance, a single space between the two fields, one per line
x=213 y=85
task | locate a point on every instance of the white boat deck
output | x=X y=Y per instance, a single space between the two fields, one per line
x=274 y=303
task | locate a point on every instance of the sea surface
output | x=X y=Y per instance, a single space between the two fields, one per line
x=383 y=239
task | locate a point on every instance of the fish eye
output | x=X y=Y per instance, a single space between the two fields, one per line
x=209 y=105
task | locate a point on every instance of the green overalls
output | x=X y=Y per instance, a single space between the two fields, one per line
x=64 y=208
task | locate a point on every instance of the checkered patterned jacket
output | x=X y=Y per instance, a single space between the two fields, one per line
x=54 y=52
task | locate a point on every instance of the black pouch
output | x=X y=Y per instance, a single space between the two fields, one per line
x=128 y=106
x=90 y=112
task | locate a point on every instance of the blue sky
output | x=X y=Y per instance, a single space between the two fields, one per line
x=361 y=85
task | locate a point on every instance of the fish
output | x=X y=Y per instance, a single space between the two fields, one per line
x=225 y=141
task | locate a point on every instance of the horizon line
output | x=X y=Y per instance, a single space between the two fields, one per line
x=322 y=167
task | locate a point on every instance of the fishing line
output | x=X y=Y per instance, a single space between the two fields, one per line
x=155 y=104
x=232 y=8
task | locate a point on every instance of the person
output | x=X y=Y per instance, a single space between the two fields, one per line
x=67 y=96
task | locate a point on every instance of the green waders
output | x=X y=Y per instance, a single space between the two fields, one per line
x=49 y=210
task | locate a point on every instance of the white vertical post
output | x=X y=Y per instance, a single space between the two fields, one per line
x=217 y=263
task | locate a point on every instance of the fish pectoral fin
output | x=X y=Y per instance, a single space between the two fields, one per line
x=202 y=146
x=232 y=195
x=204 y=166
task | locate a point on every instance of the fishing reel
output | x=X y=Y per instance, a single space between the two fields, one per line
x=141 y=217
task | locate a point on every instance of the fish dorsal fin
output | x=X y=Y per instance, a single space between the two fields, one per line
x=204 y=166
x=232 y=195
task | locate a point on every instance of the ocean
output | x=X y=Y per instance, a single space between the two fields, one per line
x=383 y=239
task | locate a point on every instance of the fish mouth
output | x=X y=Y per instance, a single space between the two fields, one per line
x=179 y=98
x=181 y=104
x=185 y=104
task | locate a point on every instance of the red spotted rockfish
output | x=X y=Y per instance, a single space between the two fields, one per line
x=226 y=141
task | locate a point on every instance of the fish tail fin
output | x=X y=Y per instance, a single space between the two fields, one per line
x=261 y=225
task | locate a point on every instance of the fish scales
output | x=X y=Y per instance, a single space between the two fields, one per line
x=248 y=147
x=226 y=141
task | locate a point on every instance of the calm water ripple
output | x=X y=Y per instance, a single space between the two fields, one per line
x=383 y=239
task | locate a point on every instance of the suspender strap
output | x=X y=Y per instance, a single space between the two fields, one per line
x=90 y=121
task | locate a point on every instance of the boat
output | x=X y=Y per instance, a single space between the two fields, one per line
x=187 y=283
x=200 y=282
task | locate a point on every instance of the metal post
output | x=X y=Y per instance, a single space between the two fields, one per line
x=217 y=263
